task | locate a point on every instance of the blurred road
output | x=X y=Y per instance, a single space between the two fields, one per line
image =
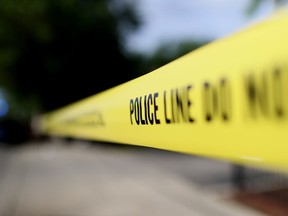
x=80 y=178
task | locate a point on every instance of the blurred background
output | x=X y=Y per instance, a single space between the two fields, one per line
x=56 y=52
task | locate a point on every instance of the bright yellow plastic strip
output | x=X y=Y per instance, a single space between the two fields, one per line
x=227 y=100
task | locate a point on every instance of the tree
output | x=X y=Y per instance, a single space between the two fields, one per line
x=254 y=5
x=164 y=54
x=55 y=52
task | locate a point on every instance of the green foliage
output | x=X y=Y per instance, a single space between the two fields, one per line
x=165 y=53
x=254 y=5
x=55 y=52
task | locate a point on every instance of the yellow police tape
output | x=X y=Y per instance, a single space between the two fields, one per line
x=227 y=100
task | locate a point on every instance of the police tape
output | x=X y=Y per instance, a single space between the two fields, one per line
x=227 y=100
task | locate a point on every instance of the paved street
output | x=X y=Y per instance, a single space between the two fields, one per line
x=80 y=178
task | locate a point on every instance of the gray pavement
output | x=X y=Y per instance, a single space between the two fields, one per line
x=80 y=178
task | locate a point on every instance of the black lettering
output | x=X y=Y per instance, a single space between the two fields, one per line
x=142 y=121
x=146 y=109
x=150 y=102
x=257 y=95
x=167 y=120
x=157 y=121
x=278 y=94
x=189 y=103
x=225 y=100
x=131 y=110
x=179 y=106
x=207 y=101
x=217 y=101
x=137 y=111
x=172 y=106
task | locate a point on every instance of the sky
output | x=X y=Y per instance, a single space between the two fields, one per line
x=175 y=20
